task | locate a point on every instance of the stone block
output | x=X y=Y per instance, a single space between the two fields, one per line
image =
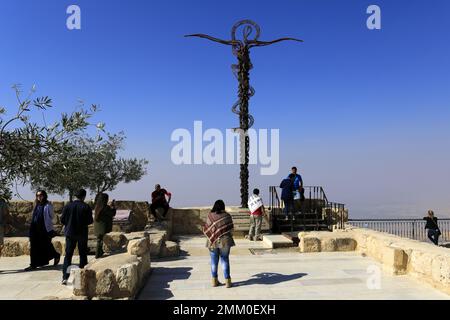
x=84 y=282
x=345 y=244
x=170 y=249
x=114 y=242
x=277 y=241
x=24 y=207
x=106 y=285
x=138 y=247
x=124 y=205
x=309 y=244
x=16 y=246
x=328 y=245
x=58 y=206
x=127 y=277
x=394 y=260
x=144 y=266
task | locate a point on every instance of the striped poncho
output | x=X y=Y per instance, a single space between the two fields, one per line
x=217 y=225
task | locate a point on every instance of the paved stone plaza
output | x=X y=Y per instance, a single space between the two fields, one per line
x=263 y=274
x=44 y=283
x=277 y=274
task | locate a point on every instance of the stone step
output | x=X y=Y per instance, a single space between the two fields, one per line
x=293 y=236
x=277 y=241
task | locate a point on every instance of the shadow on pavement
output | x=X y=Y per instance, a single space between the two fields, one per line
x=45 y=268
x=157 y=287
x=269 y=278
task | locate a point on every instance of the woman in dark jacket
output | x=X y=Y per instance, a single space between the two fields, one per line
x=287 y=195
x=103 y=220
x=41 y=233
x=218 y=229
x=432 y=226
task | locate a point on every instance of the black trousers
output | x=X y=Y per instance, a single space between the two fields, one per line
x=71 y=243
x=154 y=206
x=433 y=235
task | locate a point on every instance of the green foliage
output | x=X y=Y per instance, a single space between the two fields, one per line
x=26 y=146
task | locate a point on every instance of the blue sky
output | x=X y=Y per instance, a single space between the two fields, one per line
x=362 y=112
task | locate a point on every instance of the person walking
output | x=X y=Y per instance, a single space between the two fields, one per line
x=433 y=229
x=103 y=220
x=76 y=217
x=41 y=233
x=287 y=196
x=218 y=230
x=257 y=211
x=5 y=218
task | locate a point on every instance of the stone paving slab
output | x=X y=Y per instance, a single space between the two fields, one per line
x=277 y=241
x=16 y=284
x=281 y=275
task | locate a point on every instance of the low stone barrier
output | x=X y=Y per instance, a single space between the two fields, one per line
x=117 y=276
x=22 y=212
x=397 y=255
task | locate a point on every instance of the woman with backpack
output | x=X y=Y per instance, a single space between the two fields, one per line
x=103 y=220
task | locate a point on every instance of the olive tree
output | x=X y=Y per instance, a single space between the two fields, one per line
x=27 y=146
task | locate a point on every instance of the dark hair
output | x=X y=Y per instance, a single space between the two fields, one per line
x=256 y=191
x=45 y=200
x=219 y=206
x=294 y=168
x=80 y=194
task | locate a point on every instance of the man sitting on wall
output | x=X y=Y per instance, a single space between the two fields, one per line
x=159 y=201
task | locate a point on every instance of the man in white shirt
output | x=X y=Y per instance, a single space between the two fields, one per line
x=256 y=206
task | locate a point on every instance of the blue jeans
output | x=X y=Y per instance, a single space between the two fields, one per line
x=224 y=255
x=433 y=236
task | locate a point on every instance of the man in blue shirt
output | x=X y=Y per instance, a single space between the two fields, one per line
x=298 y=181
x=299 y=192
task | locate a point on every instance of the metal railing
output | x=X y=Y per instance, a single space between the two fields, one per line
x=406 y=228
x=315 y=200
x=336 y=215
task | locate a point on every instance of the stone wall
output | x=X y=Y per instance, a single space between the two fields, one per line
x=398 y=256
x=189 y=221
x=21 y=212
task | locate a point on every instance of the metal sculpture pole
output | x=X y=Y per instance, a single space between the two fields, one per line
x=241 y=49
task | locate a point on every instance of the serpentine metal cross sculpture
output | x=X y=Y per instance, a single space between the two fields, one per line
x=241 y=49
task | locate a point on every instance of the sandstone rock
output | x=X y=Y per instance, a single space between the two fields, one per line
x=114 y=241
x=138 y=219
x=144 y=267
x=127 y=278
x=106 y=284
x=170 y=249
x=394 y=260
x=156 y=242
x=124 y=205
x=57 y=207
x=16 y=246
x=309 y=244
x=24 y=207
x=84 y=282
x=138 y=247
x=328 y=245
x=345 y=244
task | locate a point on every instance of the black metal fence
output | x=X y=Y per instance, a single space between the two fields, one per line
x=315 y=200
x=406 y=228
